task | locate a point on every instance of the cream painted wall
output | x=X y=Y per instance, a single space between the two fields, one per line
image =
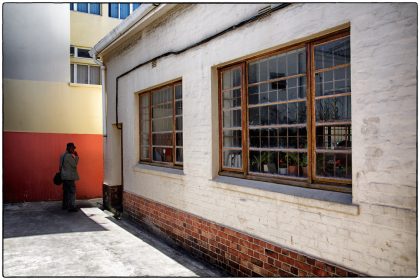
x=376 y=234
x=51 y=107
x=36 y=40
x=87 y=29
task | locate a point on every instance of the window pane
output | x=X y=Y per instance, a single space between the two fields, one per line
x=178 y=123
x=231 y=99
x=124 y=10
x=332 y=53
x=178 y=107
x=136 y=5
x=178 y=139
x=232 y=138
x=162 y=139
x=178 y=92
x=71 y=51
x=161 y=125
x=144 y=126
x=95 y=77
x=231 y=78
x=179 y=156
x=72 y=73
x=232 y=118
x=232 y=159
x=333 y=82
x=333 y=137
x=333 y=109
x=82 y=74
x=83 y=53
x=95 y=8
x=336 y=165
x=162 y=154
x=82 y=7
x=72 y=6
x=113 y=10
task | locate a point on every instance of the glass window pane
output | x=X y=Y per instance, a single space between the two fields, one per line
x=82 y=7
x=113 y=10
x=71 y=51
x=72 y=73
x=178 y=107
x=231 y=99
x=162 y=154
x=232 y=159
x=231 y=78
x=232 y=138
x=333 y=53
x=178 y=123
x=95 y=8
x=179 y=139
x=333 y=137
x=124 y=10
x=162 y=139
x=82 y=74
x=95 y=77
x=83 y=53
x=71 y=6
x=179 y=156
x=136 y=5
x=178 y=92
x=232 y=118
x=333 y=82
x=337 y=165
x=263 y=162
x=333 y=109
x=161 y=125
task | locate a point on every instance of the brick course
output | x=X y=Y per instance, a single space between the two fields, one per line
x=237 y=253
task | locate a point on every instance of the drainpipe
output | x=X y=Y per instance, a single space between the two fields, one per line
x=103 y=94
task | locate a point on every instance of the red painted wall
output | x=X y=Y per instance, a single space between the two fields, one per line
x=30 y=161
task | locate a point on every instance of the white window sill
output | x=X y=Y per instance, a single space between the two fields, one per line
x=314 y=198
x=84 y=85
x=159 y=171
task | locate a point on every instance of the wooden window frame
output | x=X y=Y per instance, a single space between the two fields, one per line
x=311 y=181
x=174 y=164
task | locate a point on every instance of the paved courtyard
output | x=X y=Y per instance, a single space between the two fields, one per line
x=41 y=240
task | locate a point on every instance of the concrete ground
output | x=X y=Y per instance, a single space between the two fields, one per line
x=41 y=240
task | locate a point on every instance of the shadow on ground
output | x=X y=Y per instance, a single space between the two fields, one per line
x=41 y=218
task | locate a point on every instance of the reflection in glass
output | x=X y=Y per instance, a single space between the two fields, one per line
x=232 y=118
x=232 y=138
x=333 y=53
x=333 y=109
x=333 y=137
x=336 y=165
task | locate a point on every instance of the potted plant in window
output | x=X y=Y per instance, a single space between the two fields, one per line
x=282 y=164
x=292 y=162
x=303 y=163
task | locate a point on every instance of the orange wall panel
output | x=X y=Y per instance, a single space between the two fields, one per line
x=30 y=161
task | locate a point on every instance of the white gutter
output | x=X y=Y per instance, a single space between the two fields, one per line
x=116 y=33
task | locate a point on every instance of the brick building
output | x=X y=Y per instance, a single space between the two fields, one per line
x=273 y=140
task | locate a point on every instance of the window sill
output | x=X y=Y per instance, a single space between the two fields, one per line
x=168 y=172
x=84 y=85
x=322 y=199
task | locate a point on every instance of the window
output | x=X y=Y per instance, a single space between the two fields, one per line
x=287 y=117
x=85 y=74
x=121 y=10
x=161 y=126
x=79 y=52
x=90 y=8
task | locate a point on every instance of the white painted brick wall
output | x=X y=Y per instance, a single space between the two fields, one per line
x=381 y=239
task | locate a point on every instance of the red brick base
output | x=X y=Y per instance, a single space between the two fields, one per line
x=237 y=253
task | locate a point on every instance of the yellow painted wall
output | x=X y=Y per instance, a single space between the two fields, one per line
x=87 y=29
x=48 y=107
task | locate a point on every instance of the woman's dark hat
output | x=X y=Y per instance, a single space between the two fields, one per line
x=70 y=145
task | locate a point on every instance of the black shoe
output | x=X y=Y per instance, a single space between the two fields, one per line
x=73 y=210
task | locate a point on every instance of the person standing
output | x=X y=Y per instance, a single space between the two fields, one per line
x=69 y=175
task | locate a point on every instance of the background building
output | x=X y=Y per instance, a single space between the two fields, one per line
x=52 y=95
x=191 y=89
